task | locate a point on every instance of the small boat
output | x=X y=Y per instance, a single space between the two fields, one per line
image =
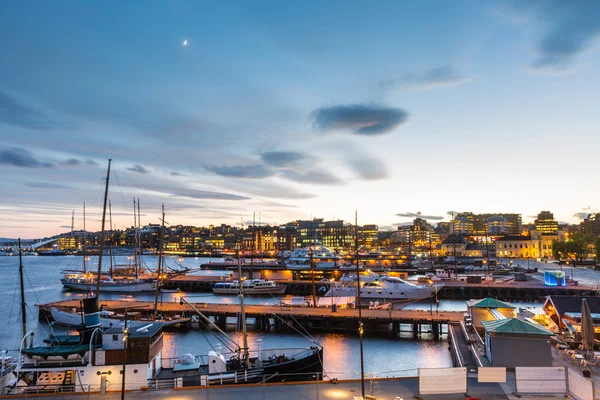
x=252 y=287
x=79 y=281
x=108 y=319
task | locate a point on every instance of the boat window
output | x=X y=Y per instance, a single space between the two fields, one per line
x=115 y=338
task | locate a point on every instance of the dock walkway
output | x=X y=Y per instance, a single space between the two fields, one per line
x=284 y=317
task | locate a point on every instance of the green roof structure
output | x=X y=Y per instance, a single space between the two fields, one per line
x=515 y=326
x=489 y=302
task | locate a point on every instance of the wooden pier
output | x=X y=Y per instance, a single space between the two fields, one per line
x=268 y=318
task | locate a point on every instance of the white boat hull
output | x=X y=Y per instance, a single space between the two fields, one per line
x=279 y=289
x=107 y=286
x=382 y=293
x=73 y=319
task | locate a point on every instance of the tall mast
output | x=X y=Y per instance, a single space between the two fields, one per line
x=23 y=305
x=139 y=242
x=160 y=260
x=110 y=271
x=72 y=222
x=83 y=244
x=245 y=358
x=360 y=323
x=102 y=231
x=135 y=244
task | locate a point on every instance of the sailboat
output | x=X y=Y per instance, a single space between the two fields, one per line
x=86 y=282
x=239 y=366
x=109 y=319
x=91 y=359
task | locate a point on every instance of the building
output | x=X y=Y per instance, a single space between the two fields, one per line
x=454 y=245
x=285 y=238
x=564 y=311
x=518 y=246
x=487 y=224
x=367 y=235
x=332 y=234
x=545 y=223
x=591 y=225
x=418 y=239
x=487 y=310
x=511 y=342
x=475 y=250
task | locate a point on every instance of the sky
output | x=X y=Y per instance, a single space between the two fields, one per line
x=296 y=110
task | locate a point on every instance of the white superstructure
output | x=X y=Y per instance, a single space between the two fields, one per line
x=385 y=288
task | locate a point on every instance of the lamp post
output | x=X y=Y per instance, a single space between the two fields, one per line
x=125 y=337
x=430 y=298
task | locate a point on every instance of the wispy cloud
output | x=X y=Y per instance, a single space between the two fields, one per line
x=282 y=158
x=138 y=168
x=242 y=171
x=19 y=157
x=316 y=176
x=434 y=78
x=570 y=28
x=46 y=185
x=360 y=119
x=205 y=194
x=409 y=214
x=369 y=168
x=13 y=112
x=71 y=162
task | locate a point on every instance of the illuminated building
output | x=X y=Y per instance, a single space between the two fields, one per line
x=591 y=225
x=518 y=246
x=487 y=224
x=545 y=223
x=454 y=245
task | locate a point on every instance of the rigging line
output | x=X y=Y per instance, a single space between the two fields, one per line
x=116 y=175
x=312 y=339
x=13 y=300
x=31 y=285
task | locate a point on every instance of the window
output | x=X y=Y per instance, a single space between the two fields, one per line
x=115 y=338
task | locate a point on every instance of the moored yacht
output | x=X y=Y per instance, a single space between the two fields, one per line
x=86 y=282
x=323 y=258
x=385 y=288
x=252 y=286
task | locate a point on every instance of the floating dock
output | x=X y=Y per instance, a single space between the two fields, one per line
x=289 y=318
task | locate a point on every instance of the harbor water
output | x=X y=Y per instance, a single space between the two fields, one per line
x=383 y=356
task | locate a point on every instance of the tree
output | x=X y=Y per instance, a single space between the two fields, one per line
x=597 y=248
x=575 y=249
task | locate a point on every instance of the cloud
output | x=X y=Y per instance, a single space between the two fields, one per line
x=71 y=162
x=242 y=171
x=430 y=79
x=282 y=158
x=205 y=194
x=138 y=168
x=91 y=162
x=359 y=119
x=13 y=112
x=176 y=174
x=369 y=168
x=315 y=176
x=581 y=215
x=19 y=157
x=46 y=185
x=570 y=28
x=419 y=215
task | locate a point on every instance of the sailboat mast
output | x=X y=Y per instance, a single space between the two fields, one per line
x=83 y=244
x=102 y=231
x=245 y=358
x=135 y=241
x=110 y=271
x=23 y=305
x=139 y=238
x=360 y=323
x=160 y=261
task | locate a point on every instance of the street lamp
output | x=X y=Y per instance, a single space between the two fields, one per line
x=125 y=337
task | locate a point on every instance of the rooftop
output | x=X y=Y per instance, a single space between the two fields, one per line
x=515 y=326
x=489 y=302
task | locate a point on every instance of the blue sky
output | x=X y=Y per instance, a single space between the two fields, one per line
x=296 y=110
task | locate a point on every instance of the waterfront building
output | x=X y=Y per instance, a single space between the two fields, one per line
x=331 y=234
x=518 y=246
x=454 y=245
x=511 y=342
x=285 y=238
x=418 y=238
x=367 y=235
x=487 y=310
x=545 y=223
x=565 y=312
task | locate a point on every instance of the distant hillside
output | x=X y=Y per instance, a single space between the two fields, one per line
x=6 y=241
